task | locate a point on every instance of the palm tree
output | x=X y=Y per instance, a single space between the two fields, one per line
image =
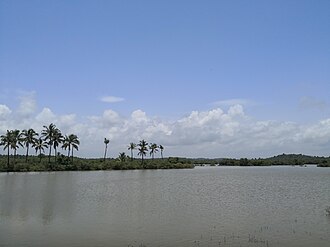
x=122 y=157
x=161 y=150
x=71 y=142
x=153 y=149
x=40 y=145
x=54 y=137
x=48 y=134
x=28 y=137
x=15 y=141
x=5 y=141
x=106 y=142
x=143 y=148
x=131 y=147
x=57 y=140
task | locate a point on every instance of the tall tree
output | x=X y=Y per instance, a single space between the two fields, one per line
x=143 y=148
x=153 y=149
x=40 y=145
x=161 y=150
x=71 y=142
x=15 y=141
x=131 y=147
x=57 y=140
x=28 y=138
x=5 y=141
x=106 y=142
x=48 y=135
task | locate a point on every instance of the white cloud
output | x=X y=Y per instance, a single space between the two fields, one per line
x=211 y=133
x=112 y=99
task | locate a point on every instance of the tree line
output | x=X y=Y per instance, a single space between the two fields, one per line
x=143 y=147
x=50 y=137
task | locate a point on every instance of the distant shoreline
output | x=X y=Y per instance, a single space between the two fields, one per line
x=63 y=163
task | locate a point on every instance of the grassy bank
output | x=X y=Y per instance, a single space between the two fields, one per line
x=64 y=163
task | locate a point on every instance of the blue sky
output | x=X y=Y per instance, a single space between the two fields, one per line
x=168 y=59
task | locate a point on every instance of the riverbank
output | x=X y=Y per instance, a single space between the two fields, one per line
x=63 y=163
x=34 y=164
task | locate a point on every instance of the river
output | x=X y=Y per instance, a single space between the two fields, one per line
x=208 y=206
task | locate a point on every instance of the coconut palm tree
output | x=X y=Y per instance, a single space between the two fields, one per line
x=122 y=157
x=5 y=141
x=153 y=149
x=161 y=150
x=40 y=145
x=71 y=142
x=131 y=147
x=143 y=148
x=28 y=137
x=57 y=140
x=15 y=141
x=48 y=135
x=106 y=142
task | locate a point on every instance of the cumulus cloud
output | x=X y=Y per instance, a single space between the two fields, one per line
x=212 y=133
x=111 y=99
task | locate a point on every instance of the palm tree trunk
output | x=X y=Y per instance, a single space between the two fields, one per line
x=40 y=155
x=27 y=152
x=8 y=160
x=50 y=152
x=105 y=152
x=131 y=154
x=72 y=156
x=55 y=154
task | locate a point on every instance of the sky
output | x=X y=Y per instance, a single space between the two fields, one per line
x=202 y=78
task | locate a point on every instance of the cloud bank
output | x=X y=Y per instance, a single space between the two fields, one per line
x=211 y=133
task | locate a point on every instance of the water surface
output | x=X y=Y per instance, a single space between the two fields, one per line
x=210 y=206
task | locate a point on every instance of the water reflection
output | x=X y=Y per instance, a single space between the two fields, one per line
x=41 y=200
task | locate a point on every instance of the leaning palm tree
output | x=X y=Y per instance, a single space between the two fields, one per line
x=71 y=142
x=161 y=150
x=131 y=147
x=5 y=141
x=153 y=149
x=40 y=145
x=143 y=148
x=15 y=141
x=28 y=137
x=48 y=135
x=106 y=142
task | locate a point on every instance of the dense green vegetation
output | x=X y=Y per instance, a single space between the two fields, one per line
x=63 y=163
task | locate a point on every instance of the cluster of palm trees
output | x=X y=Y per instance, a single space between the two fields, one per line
x=51 y=137
x=143 y=148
